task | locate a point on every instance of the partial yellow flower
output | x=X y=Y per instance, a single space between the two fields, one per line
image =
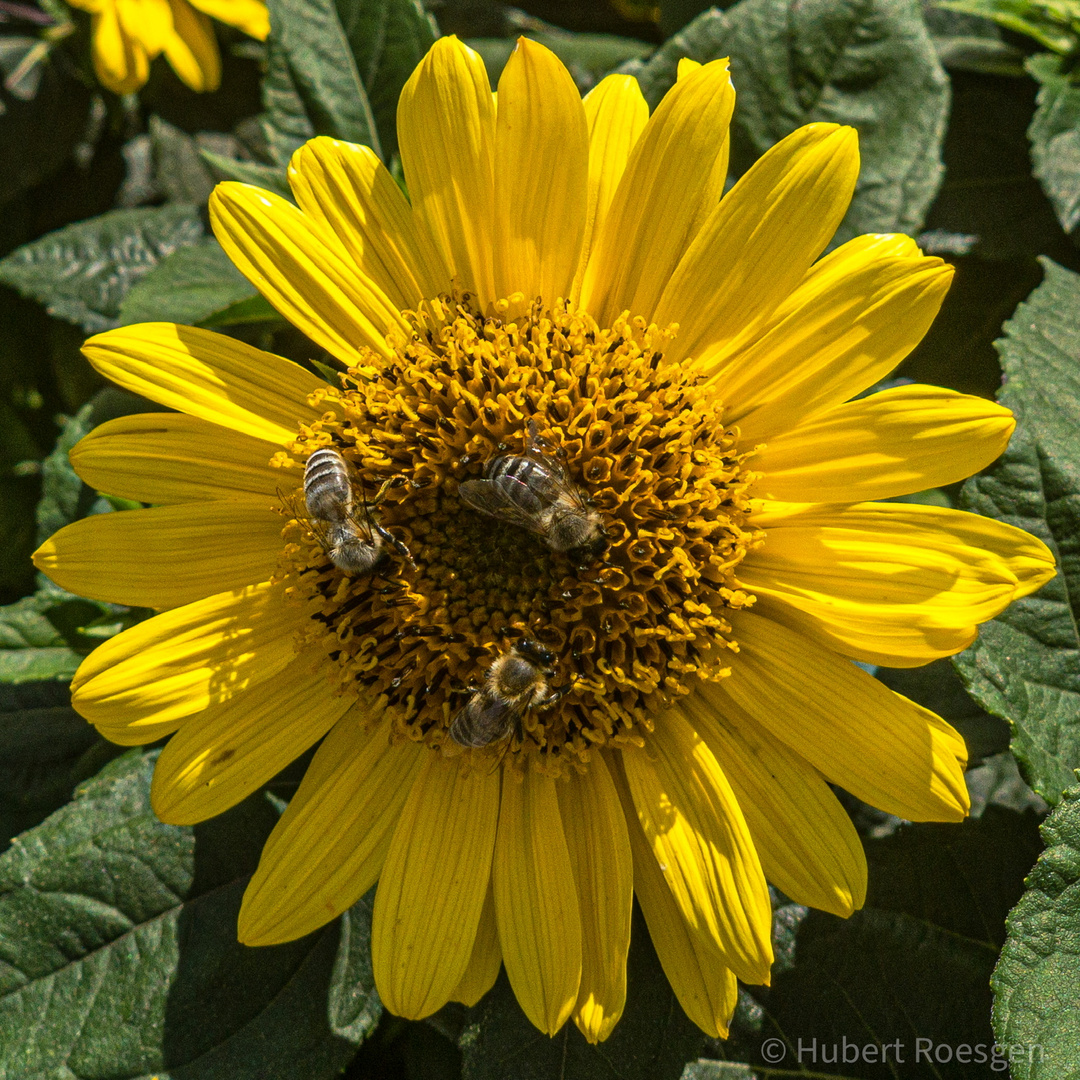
x=697 y=363
x=128 y=34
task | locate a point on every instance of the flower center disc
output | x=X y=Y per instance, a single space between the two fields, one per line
x=643 y=440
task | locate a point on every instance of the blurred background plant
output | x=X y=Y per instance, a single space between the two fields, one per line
x=969 y=120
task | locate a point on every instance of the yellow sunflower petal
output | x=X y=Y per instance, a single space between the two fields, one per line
x=291 y=262
x=808 y=846
x=446 y=130
x=209 y=375
x=147 y=21
x=699 y=836
x=541 y=175
x=759 y=242
x=536 y=901
x=348 y=189
x=250 y=16
x=672 y=183
x=120 y=61
x=706 y=989
x=329 y=846
x=432 y=889
x=165 y=556
x=616 y=113
x=223 y=754
x=893 y=583
x=173 y=458
x=599 y=849
x=846 y=326
x=486 y=959
x=192 y=49
x=905 y=439
x=884 y=749
x=139 y=685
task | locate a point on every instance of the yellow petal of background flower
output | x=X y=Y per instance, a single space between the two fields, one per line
x=672 y=183
x=250 y=16
x=536 y=901
x=699 y=837
x=223 y=754
x=173 y=458
x=616 y=113
x=120 y=62
x=706 y=989
x=486 y=959
x=604 y=875
x=165 y=556
x=139 y=685
x=884 y=749
x=432 y=889
x=846 y=327
x=446 y=130
x=348 y=189
x=758 y=243
x=893 y=583
x=292 y=263
x=808 y=847
x=905 y=439
x=541 y=175
x=192 y=49
x=208 y=375
x=329 y=846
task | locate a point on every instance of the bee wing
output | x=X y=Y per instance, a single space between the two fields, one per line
x=515 y=504
x=484 y=720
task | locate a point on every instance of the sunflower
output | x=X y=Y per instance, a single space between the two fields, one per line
x=127 y=34
x=567 y=281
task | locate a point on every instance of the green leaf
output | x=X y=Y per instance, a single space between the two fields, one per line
x=255 y=309
x=40 y=135
x=31 y=647
x=588 y=57
x=718 y=1070
x=388 y=38
x=913 y=964
x=1047 y=23
x=285 y=121
x=119 y=952
x=869 y=63
x=652 y=1041
x=64 y=497
x=82 y=272
x=310 y=36
x=189 y=286
x=46 y=748
x=1025 y=665
x=271 y=177
x=179 y=171
x=1055 y=139
x=1036 y=983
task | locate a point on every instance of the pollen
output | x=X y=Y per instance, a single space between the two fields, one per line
x=642 y=440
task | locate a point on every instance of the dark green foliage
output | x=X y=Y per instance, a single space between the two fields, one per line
x=118 y=955
x=1055 y=138
x=82 y=272
x=191 y=285
x=652 y=1041
x=118 y=950
x=1025 y=665
x=870 y=64
x=1035 y=982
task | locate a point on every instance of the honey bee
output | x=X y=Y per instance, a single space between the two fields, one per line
x=532 y=490
x=355 y=545
x=515 y=683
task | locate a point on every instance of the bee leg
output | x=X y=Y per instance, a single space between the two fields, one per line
x=553 y=697
x=394 y=542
